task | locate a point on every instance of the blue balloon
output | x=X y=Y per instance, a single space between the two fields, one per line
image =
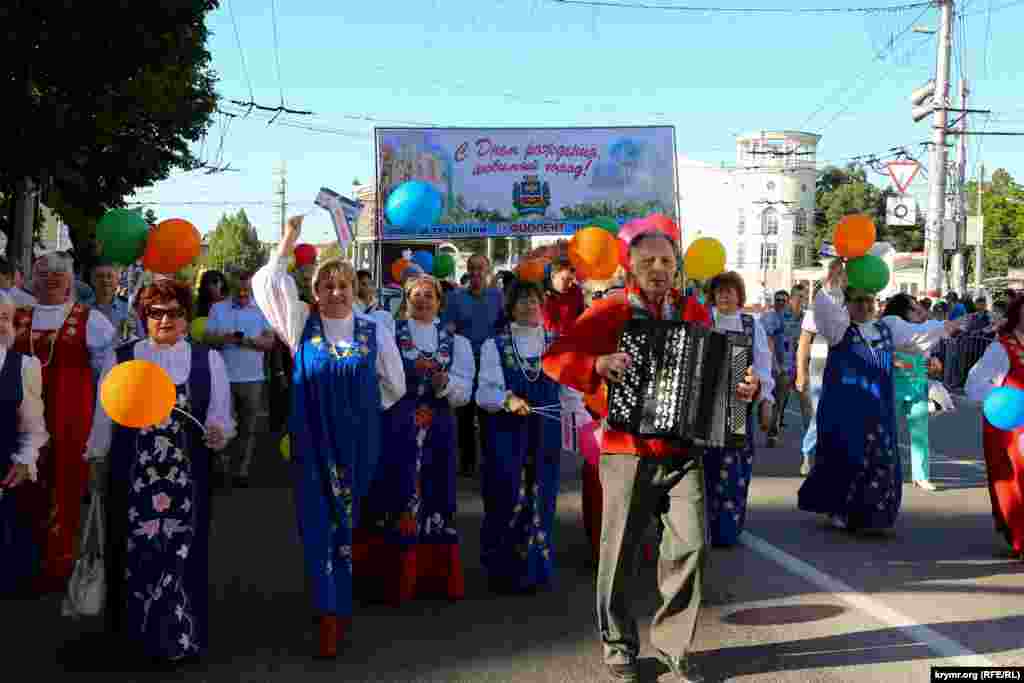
x=413 y=204
x=1004 y=408
x=425 y=260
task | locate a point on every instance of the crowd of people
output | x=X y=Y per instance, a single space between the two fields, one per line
x=386 y=406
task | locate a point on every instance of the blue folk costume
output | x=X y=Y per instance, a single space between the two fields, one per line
x=727 y=473
x=520 y=477
x=335 y=427
x=413 y=545
x=857 y=478
x=19 y=553
x=158 y=525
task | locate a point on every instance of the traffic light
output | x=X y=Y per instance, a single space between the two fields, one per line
x=919 y=97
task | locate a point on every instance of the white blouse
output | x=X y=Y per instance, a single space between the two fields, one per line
x=177 y=361
x=491 y=391
x=732 y=322
x=463 y=368
x=100 y=335
x=988 y=373
x=32 y=434
x=278 y=297
x=833 y=320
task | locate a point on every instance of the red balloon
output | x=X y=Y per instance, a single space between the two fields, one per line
x=304 y=254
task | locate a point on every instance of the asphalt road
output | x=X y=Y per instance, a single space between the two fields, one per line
x=796 y=602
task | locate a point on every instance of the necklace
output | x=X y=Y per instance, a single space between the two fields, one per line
x=53 y=339
x=530 y=374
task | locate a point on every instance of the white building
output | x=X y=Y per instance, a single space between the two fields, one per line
x=761 y=209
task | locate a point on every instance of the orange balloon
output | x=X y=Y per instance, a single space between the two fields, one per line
x=137 y=394
x=594 y=252
x=854 y=236
x=171 y=245
x=398 y=267
x=531 y=270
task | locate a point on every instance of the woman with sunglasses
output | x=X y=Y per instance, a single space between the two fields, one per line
x=857 y=479
x=1003 y=366
x=158 y=489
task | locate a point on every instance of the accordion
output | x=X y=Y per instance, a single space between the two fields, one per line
x=681 y=384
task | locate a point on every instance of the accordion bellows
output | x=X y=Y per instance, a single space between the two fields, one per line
x=681 y=384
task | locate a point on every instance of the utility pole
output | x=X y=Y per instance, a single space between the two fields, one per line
x=281 y=192
x=959 y=198
x=980 y=247
x=937 y=172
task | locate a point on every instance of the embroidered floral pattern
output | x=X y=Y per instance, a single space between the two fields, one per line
x=162 y=521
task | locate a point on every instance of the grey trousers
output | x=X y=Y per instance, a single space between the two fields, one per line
x=636 y=489
x=247 y=401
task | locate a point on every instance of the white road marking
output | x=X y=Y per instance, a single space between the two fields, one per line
x=929 y=637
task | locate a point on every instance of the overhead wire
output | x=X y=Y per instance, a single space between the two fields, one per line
x=744 y=10
x=241 y=52
x=277 y=48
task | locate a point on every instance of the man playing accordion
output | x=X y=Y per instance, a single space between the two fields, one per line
x=641 y=476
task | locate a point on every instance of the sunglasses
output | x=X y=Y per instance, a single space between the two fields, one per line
x=154 y=313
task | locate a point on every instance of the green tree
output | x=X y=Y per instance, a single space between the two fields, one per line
x=843 y=191
x=150 y=217
x=1002 y=205
x=104 y=111
x=234 y=246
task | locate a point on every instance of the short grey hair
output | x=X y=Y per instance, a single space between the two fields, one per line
x=6 y=300
x=55 y=261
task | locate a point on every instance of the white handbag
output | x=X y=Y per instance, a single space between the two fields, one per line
x=87 y=587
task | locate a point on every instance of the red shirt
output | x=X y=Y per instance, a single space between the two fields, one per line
x=562 y=309
x=571 y=361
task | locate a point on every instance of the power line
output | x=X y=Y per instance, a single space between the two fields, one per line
x=241 y=52
x=277 y=49
x=746 y=10
x=879 y=56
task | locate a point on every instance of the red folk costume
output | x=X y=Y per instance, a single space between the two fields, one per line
x=562 y=308
x=572 y=358
x=1004 y=456
x=54 y=502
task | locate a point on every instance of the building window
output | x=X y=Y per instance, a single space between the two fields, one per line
x=770 y=186
x=803 y=188
x=770 y=222
x=799 y=222
x=798 y=255
x=769 y=256
x=741 y=254
x=741 y=225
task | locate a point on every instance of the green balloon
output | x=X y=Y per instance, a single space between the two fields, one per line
x=444 y=265
x=606 y=223
x=868 y=272
x=122 y=234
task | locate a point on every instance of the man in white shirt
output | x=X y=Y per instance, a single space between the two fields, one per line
x=812 y=352
x=240 y=330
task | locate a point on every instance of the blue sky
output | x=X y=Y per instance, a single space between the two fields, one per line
x=541 y=63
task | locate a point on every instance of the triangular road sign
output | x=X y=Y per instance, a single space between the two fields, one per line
x=902 y=172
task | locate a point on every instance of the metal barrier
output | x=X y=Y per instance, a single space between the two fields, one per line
x=959 y=354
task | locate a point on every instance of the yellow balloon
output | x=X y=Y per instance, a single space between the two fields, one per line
x=286 y=448
x=198 y=329
x=704 y=259
x=138 y=393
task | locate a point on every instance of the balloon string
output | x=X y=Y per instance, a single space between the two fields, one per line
x=191 y=417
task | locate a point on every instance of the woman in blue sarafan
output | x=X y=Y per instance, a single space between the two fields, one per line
x=412 y=541
x=857 y=479
x=347 y=370
x=727 y=471
x=520 y=477
x=157 y=489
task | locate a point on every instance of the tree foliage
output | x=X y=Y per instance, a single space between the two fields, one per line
x=1002 y=204
x=843 y=191
x=104 y=98
x=234 y=247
